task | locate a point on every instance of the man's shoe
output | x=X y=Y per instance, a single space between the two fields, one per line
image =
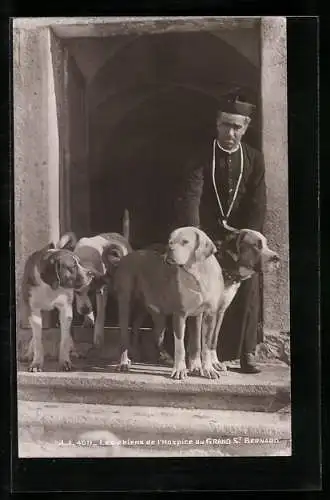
x=248 y=365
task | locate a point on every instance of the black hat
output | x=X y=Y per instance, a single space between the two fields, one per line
x=236 y=104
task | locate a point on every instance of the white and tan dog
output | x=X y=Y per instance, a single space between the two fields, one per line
x=188 y=282
x=51 y=275
x=187 y=249
x=240 y=254
x=101 y=254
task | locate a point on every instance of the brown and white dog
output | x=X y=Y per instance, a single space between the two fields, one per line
x=188 y=282
x=101 y=254
x=51 y=275
x=240 y=254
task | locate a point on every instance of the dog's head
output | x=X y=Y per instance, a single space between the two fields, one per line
x=249 y=250
x=103 y=270
x=188 y=245
x=112 y=255
x=60 y=267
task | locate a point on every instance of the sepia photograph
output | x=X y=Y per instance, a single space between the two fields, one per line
x=151 y=222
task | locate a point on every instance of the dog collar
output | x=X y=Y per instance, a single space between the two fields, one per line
x=230 y=277
x=230 y=269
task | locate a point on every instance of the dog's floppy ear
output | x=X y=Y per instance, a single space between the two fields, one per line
x=231 y=244
x=239 y=241
x=48 y=272
x=205 y=246
x=99 y=279
x=67 y=241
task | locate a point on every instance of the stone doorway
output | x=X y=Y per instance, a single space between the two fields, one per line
x=137 y=117
x=125 y=70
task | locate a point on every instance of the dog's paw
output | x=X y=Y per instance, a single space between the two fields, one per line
x=179 y=371
x=124 y=367
x=195 y=367
x=36 y=366
x=220 y=367
x=217 y=365
x=124 y=363
x=65 y=365
x=196 y=372
x=209 y=371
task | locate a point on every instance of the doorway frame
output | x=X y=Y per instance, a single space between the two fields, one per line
x=34 y=33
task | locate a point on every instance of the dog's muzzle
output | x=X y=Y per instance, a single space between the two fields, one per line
x=86 y=281
x=169 y=259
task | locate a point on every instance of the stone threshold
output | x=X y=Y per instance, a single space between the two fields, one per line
x=99 y=382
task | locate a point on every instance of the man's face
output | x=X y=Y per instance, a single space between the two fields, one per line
x=230 y=129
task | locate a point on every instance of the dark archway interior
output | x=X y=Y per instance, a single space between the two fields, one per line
x=148 y=149
x=152 y=106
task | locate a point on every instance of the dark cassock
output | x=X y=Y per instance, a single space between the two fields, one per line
x=229 y=186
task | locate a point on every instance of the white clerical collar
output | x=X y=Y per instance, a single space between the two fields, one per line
x=226 y=150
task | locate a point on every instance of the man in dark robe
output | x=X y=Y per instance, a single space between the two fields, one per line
x=226 y=183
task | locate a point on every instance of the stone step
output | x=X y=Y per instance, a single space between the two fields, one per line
x=92 y=430
x=98 y=382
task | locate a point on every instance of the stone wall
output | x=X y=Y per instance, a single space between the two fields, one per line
x=38 y=153
x=275 y=148
x=36 y=146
